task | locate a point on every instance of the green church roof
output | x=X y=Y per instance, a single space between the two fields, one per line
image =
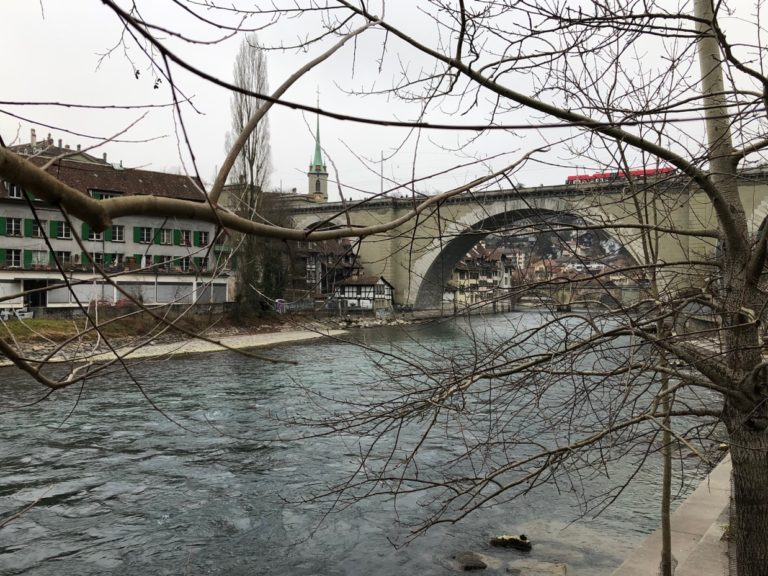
x=318 y=160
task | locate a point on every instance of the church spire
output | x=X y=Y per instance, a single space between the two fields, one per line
x=318 y=176
x=318 y=160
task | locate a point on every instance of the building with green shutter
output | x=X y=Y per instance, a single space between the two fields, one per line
x=157 y=260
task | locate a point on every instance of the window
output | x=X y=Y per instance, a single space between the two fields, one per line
x=202 y=263
x=39 y=258
x=378 y=289
x=64 y=257
x=359 y=291
x=65 y=231
x=145 y=235
x=317 y=185
x=166 y=262
x=99 y=236
x=13 y=227
x=166 y=236
x=95 y=258
x=118 y=233
x=37 y=230
x=186 y=237
x=311 y=271
x=13 y=258
x=185 y=264
x=101 y=194
x=203 y=238
x=14 y=190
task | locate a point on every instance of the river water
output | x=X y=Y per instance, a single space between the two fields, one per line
x=119 y=488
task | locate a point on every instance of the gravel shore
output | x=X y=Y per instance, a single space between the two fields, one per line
x=195 y=346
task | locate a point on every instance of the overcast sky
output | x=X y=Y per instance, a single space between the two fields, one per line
x=57 y=50
x=54 y=51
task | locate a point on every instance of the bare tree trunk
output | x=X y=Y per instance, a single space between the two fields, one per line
x=746 y=422
x=666 y=484
x=749 y=453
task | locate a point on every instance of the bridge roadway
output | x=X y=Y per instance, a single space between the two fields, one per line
x=417 y=258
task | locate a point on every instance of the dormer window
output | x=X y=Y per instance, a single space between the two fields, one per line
x=103 y=194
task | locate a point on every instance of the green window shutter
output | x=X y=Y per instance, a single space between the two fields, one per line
x=157 y=259
x=86 y=231
x=28 y=227
x=2 y=231
x=2 y=256
x=54 y=229
x=136 y=234
x=51 y=259
x=108 y=234
x=30 y=195
x=177 y=237
x=85 y=259
x=108 y=259
x=198 y=238
x=137 y=259
x=155 y=235
x=27 y=258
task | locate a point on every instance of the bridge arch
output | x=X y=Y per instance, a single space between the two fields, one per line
x=432 y=270
x=405 y=256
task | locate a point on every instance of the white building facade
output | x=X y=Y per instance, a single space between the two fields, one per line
x=155 y=260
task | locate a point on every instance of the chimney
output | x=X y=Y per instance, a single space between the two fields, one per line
x=78 y=147
x=104 y=156
x=49 y=140
x=66 y=146
x=32 y=137
x=59 y=142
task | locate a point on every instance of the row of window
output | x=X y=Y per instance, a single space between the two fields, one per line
x=378 y=290
x=142 y=234
x=33 y=258
x=57 y=229
x=170 y=236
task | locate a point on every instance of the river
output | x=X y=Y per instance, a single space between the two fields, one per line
x=215 y=485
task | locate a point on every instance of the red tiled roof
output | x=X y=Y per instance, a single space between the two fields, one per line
x=129 y=181
x=86 y=176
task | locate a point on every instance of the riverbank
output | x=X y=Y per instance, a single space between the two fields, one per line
x=195 y=346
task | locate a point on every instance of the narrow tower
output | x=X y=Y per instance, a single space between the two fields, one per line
x=318 y=175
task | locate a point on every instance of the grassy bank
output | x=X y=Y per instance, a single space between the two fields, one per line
x=127 y=326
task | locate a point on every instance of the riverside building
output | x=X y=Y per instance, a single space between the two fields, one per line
x=156 y=260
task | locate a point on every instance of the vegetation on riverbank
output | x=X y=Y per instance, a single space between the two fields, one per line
x=41 y=330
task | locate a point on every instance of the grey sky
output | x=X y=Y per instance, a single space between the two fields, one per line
x=56 y=49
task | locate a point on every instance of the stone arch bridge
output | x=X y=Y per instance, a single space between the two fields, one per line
x=417 y=258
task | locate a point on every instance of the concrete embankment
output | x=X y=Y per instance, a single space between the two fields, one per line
x=697 y=529
x=193 y=346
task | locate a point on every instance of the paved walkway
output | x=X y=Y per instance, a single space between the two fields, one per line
x=697 y=526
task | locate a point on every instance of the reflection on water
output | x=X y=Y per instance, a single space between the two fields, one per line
x=121 y=489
